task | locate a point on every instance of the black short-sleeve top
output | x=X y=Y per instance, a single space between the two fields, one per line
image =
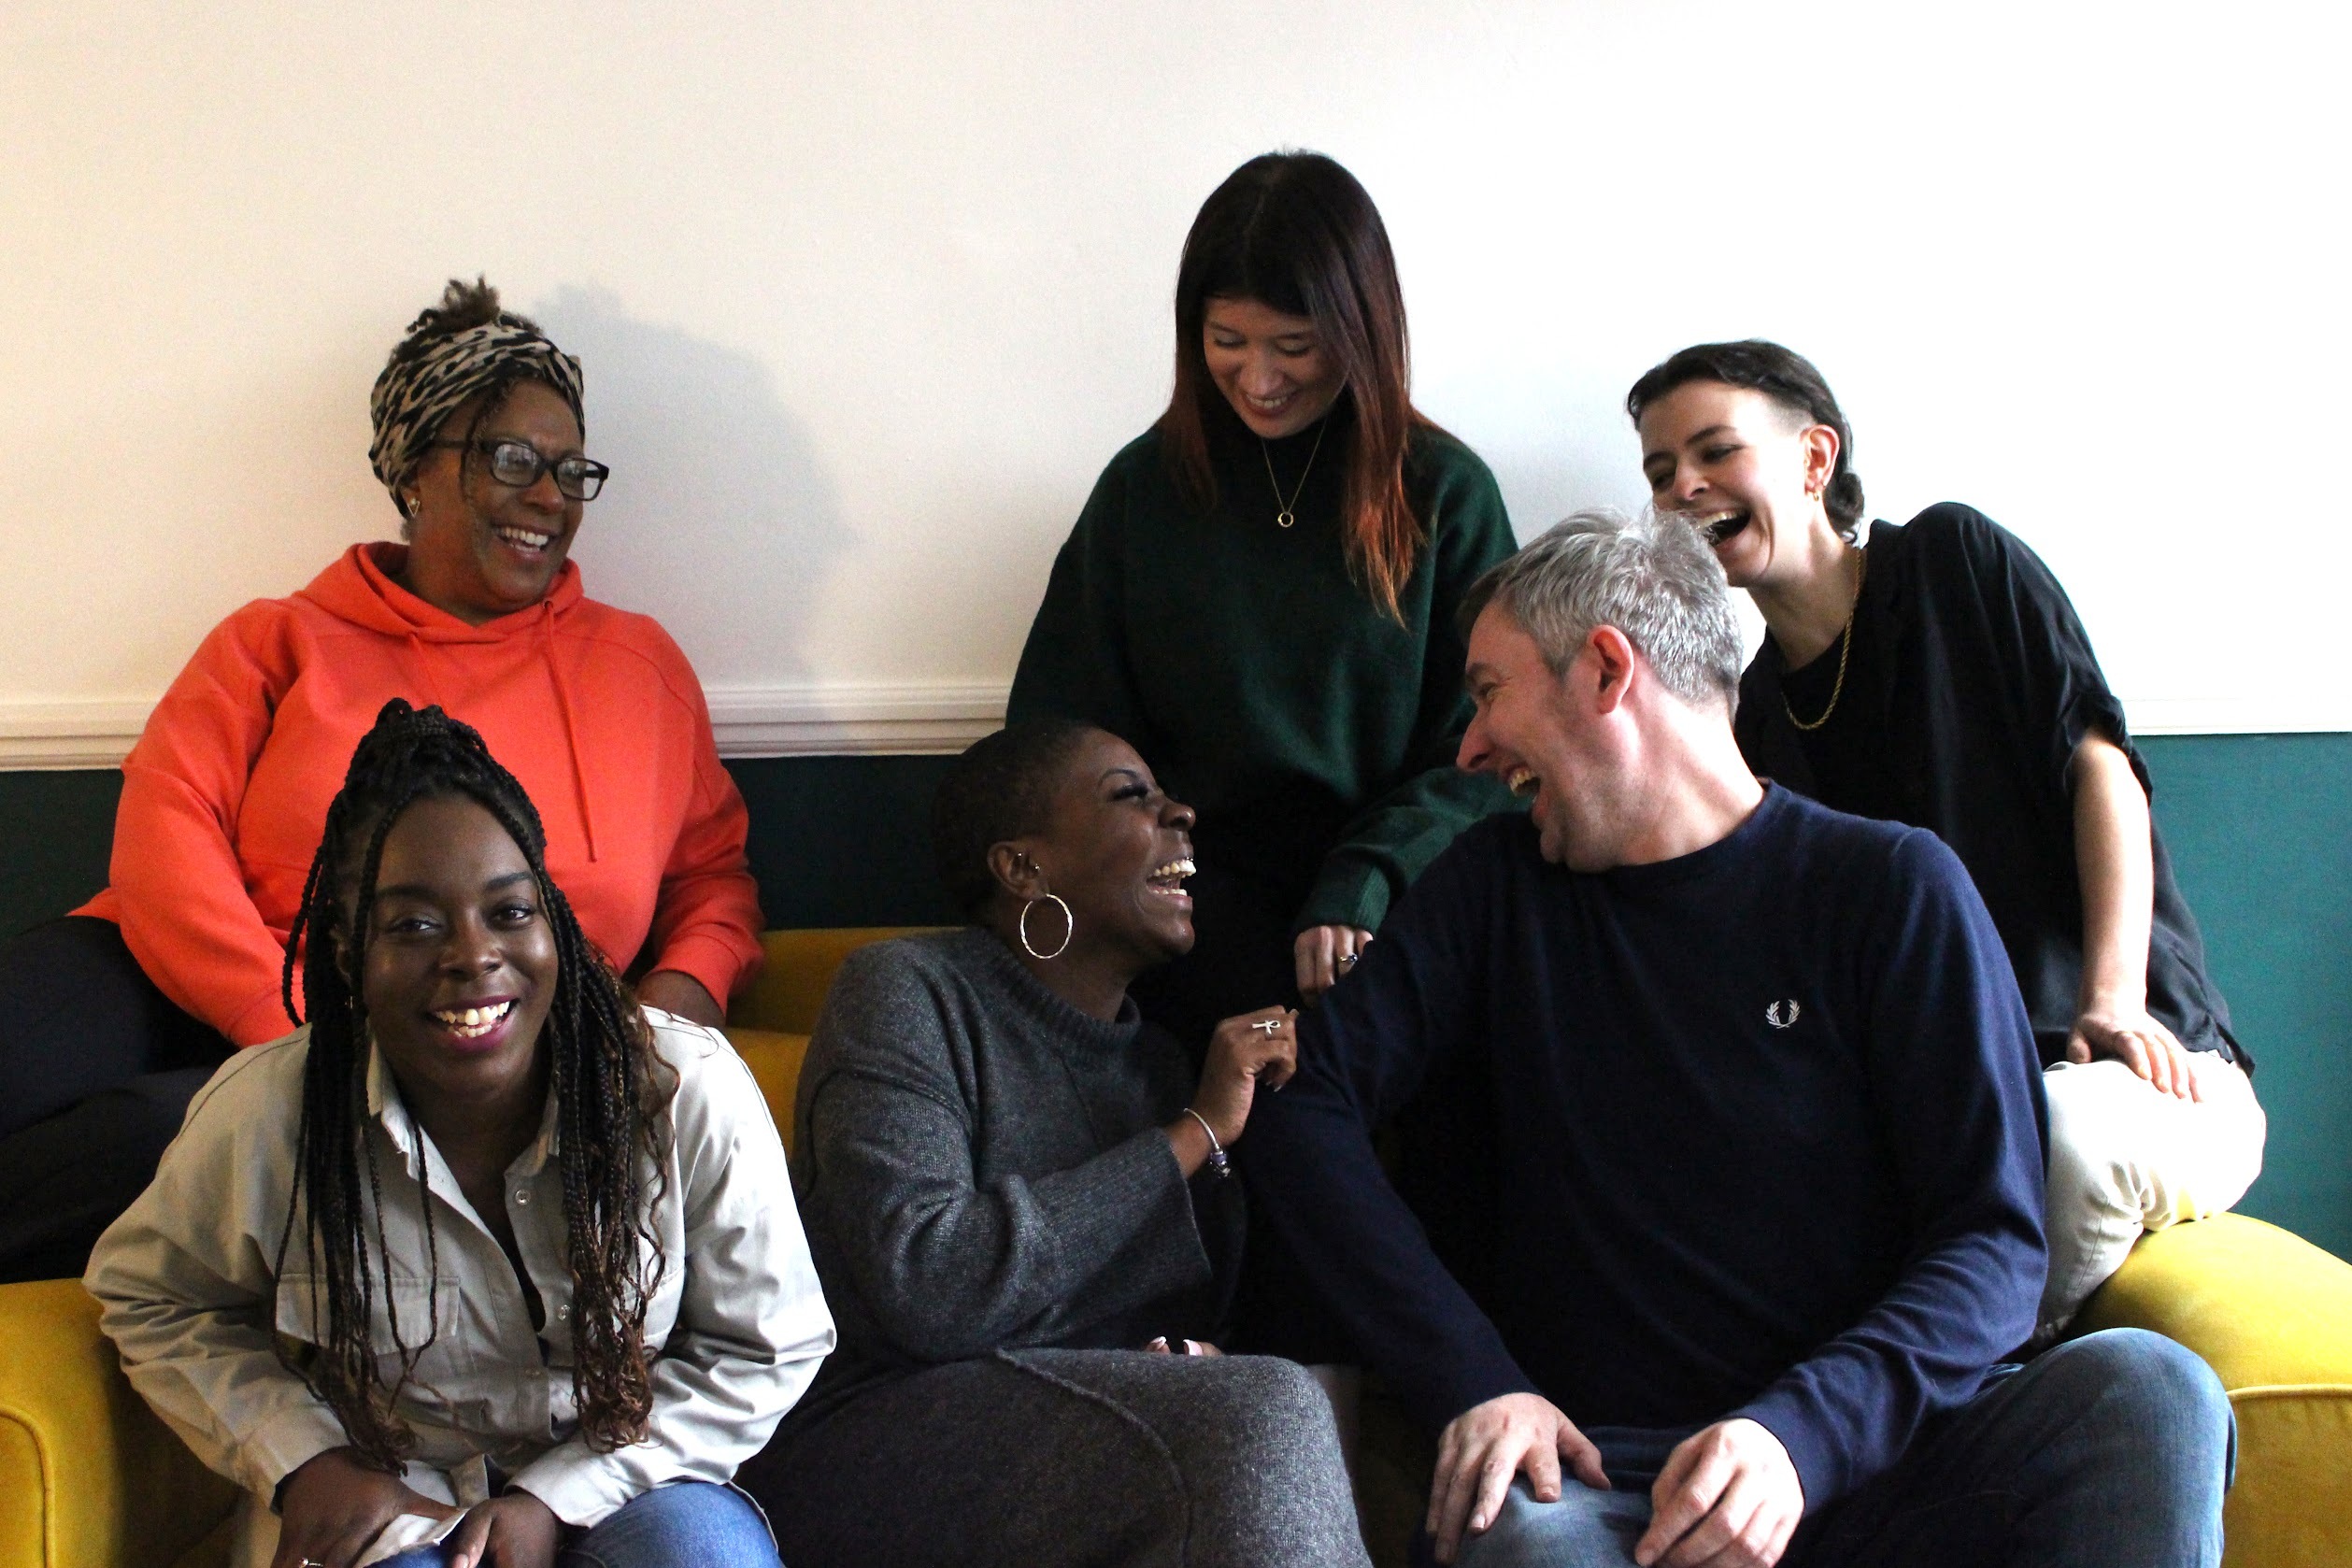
x=1968 y=685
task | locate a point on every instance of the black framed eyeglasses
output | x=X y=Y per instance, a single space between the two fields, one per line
x=519 y=463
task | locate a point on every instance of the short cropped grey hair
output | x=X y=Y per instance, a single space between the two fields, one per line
x=1650 y=575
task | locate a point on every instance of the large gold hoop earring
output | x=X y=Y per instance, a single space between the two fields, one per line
x=1069 y=926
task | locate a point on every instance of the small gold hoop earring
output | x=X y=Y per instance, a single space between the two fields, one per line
x=1069 y=926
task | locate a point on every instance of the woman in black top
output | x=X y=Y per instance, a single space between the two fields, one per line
x=1936 y=675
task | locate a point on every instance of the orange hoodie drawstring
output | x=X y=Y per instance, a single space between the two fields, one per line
x=571 y=734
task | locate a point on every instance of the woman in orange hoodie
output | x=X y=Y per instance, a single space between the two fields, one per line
x=112 y=1017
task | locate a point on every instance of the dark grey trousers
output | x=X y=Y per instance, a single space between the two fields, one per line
x=1068 y=1458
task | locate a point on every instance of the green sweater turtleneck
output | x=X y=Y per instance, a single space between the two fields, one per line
x=1312 y=733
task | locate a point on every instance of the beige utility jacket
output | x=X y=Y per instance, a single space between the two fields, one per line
x=192 y=1298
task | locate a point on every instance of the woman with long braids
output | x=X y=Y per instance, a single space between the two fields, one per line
x=1935 y=674
x=111 y=1016
x=484 y=1263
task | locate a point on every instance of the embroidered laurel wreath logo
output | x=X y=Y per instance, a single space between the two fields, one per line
x=1780 y=1015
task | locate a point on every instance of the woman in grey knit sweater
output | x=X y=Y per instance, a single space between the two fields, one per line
x=1013 y=1191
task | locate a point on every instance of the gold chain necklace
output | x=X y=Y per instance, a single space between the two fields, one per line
x=1284 y=517
x=1844 y=650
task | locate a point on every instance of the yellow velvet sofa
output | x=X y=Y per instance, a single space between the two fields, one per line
x=90 y=1479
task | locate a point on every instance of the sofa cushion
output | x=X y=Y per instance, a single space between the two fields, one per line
x=797 y=967
x=87 y=1475
x=2272 y=1315
x=773 y=1058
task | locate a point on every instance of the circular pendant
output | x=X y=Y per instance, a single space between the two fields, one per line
x=1285 y=517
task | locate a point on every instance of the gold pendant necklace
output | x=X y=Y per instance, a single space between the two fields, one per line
x=1285 y=515
x=1844 y=650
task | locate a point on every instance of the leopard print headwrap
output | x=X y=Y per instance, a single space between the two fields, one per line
x=428 y=379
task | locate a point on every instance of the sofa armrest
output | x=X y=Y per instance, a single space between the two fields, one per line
x=88 y=1475
x=2272 y=1315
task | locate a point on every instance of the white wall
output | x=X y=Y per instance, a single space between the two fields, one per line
x=868 y=292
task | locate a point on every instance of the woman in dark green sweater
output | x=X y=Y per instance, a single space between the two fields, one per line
x=1260 y=595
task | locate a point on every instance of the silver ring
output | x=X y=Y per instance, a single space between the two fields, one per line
x=1347 y=960
x=1272 y=1026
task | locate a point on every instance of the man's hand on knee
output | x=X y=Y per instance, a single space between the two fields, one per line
x=1484 y=1446
x=1728 y=1498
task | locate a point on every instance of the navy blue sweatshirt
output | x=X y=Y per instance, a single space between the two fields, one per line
x=1761 y=1131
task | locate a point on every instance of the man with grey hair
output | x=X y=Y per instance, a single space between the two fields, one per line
x=1747 y=1181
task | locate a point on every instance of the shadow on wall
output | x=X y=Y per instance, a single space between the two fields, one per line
x=718 y=522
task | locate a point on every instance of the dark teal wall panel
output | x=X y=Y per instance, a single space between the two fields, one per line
x=843 y=840
x=2260 y=831
x=55 y=829
x=834 y=840
x=2260 y=826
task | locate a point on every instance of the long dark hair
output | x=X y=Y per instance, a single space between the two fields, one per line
x=609 y=1091
x=1297 y=233
x=1783 y=375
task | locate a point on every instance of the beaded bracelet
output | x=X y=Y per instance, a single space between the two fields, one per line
x=1217 y=1161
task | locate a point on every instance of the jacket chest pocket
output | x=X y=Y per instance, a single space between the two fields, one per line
x=401 y=1327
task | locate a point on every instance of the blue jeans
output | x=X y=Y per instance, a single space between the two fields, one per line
x=688 y=1524
x=2112 y=1448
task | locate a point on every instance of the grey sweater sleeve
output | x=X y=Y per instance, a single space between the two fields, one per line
x=946 y=1264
